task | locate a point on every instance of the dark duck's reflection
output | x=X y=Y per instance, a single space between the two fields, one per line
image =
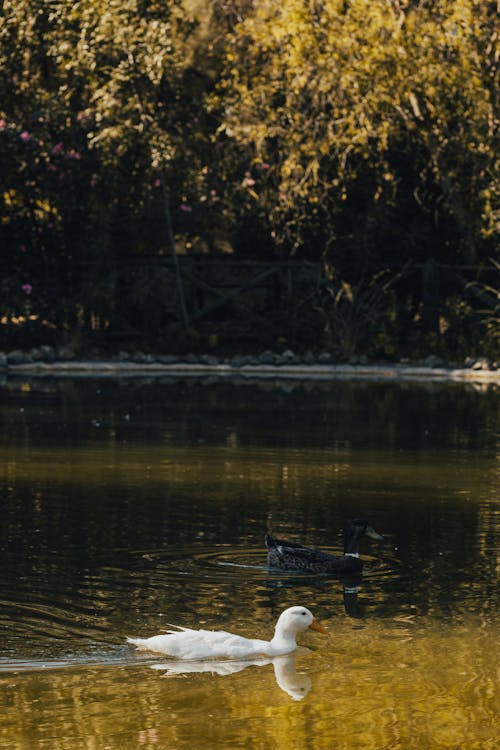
x=296 y=684
x=291 y=556
x=353 y=607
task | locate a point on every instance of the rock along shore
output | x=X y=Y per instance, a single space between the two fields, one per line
x=48 y=361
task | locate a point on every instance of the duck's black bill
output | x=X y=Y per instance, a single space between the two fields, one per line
x=370 y=532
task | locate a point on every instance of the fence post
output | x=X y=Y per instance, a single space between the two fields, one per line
x=175 y=259
x=430 y=296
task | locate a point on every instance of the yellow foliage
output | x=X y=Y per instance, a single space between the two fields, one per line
x=320 y=88
x=11 y=198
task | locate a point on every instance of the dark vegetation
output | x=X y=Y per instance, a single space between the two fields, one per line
x=233 y=175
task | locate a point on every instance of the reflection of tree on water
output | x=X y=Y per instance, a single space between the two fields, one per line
x=296 y=684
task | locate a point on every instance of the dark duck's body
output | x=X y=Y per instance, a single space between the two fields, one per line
x=290 y=556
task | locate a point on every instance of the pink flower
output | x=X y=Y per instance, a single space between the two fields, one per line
x=3 y=124
x=25 y=136
x=52 y=168
x=27 y=288
x=58 y=149
x=248 y=182
x=157 y=182
x=184 y=207
x=265 y=165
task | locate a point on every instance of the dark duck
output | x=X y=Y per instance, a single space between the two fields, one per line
x=290 y=556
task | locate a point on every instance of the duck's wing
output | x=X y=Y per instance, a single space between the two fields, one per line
x=294 y=556
x=283 y=547
x=202 y=644
x=272 y=542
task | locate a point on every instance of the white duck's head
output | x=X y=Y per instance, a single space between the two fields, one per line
x=294 y=620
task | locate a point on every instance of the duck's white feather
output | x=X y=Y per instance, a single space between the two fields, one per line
x=202 y=644
x=186 y=643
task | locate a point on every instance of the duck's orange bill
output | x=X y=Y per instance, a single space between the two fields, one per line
x=316 y=626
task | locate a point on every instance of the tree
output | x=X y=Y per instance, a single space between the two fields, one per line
x=92 y=117
x=377 y=121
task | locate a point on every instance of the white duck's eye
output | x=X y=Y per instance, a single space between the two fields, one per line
x=303 y=613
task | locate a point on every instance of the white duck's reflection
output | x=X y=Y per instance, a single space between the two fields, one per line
x=294 y=683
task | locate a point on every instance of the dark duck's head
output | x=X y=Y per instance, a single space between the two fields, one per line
x=356 y=529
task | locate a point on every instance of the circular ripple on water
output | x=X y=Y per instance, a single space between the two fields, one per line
x=219 y=562
x=212 y=562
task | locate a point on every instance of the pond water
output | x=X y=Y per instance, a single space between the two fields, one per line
x=128 y=505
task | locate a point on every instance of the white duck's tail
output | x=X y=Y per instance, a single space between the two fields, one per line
x=139 y=642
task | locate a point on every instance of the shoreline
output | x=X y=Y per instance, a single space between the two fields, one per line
x=227 y=370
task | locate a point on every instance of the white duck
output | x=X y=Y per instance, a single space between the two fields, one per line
x=186 y=643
